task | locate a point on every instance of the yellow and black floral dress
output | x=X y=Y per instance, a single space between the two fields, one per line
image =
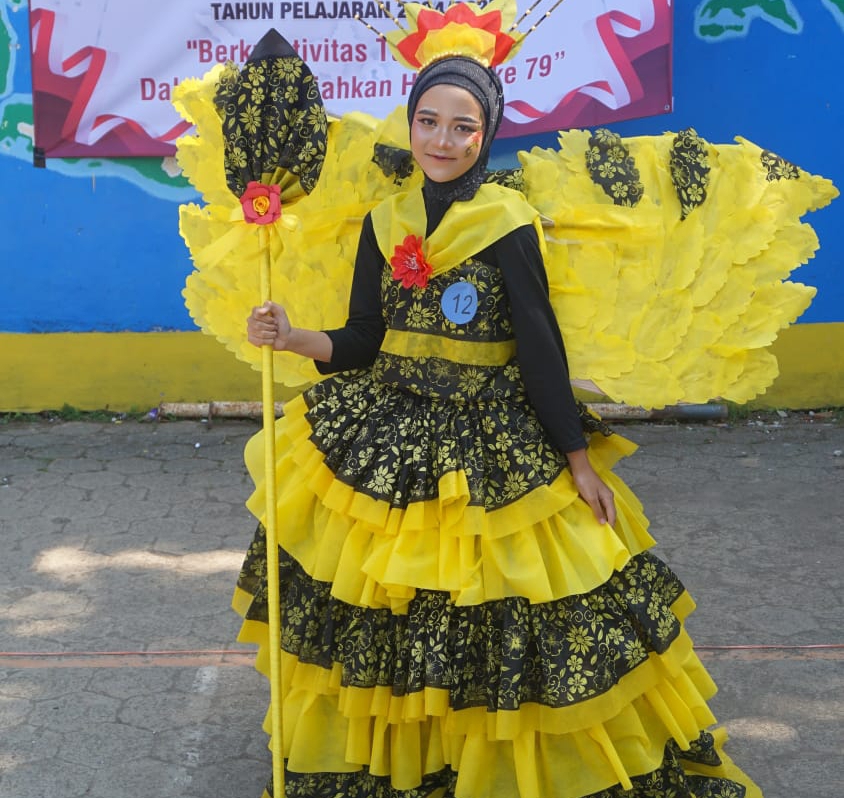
x=455 y=622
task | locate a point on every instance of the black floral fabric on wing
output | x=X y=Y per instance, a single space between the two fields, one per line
x=690 y=170
x=612 y=168
x=777 y=168
x=394 y=162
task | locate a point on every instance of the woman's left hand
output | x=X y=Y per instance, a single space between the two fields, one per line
x=592 y=489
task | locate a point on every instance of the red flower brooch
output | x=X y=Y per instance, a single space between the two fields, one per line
x=409 y=264
x=261 y=203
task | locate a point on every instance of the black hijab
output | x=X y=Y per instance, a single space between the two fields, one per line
x=484 y=85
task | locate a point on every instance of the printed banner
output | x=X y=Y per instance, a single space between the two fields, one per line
x=103 y=72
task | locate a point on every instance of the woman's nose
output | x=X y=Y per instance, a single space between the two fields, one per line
x=443 y=138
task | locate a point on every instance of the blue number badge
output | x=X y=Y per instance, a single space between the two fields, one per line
x=460 y=302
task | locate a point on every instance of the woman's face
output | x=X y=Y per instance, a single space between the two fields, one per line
x=446 y=132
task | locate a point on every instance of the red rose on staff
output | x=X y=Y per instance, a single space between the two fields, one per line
x=261 y=203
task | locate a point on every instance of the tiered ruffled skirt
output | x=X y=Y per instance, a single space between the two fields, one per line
x=441 y=648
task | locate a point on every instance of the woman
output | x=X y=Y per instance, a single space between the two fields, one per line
x=468 y=606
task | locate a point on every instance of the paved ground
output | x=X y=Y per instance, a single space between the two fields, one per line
x=121 y=542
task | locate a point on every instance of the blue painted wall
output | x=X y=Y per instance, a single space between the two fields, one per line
x=94 y=246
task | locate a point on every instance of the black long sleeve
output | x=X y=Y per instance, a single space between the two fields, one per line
x=539 y=345
x=356 y=344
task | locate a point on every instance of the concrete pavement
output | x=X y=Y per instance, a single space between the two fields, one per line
x=120 y=677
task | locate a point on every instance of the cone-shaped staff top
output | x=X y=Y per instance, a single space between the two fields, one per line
x=271 y=45
x=273 y=118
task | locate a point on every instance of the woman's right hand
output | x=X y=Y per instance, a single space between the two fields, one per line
x=269 y=325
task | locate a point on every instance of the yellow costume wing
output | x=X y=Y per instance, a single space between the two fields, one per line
x=668 y=257
x=668 y=260
x=312 y=250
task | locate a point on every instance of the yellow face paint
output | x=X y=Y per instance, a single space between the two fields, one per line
x=475 y=142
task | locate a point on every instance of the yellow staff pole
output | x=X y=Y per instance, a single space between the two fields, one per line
x=273 y=593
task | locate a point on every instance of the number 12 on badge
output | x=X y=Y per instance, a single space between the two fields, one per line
x=460 y=302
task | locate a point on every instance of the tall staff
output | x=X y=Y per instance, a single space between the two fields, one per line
x=268 y=169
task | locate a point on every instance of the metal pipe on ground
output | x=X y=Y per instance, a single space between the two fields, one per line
x=215 y=409
x=619 y=412
x=607 y=411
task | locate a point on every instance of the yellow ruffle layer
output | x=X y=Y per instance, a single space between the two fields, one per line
x=544 y=546
x=532 y=752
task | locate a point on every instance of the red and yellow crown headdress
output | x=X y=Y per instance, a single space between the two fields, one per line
x=487 y=34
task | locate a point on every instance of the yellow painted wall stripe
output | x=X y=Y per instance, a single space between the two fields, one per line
x=118 y=371
x=125 y=371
